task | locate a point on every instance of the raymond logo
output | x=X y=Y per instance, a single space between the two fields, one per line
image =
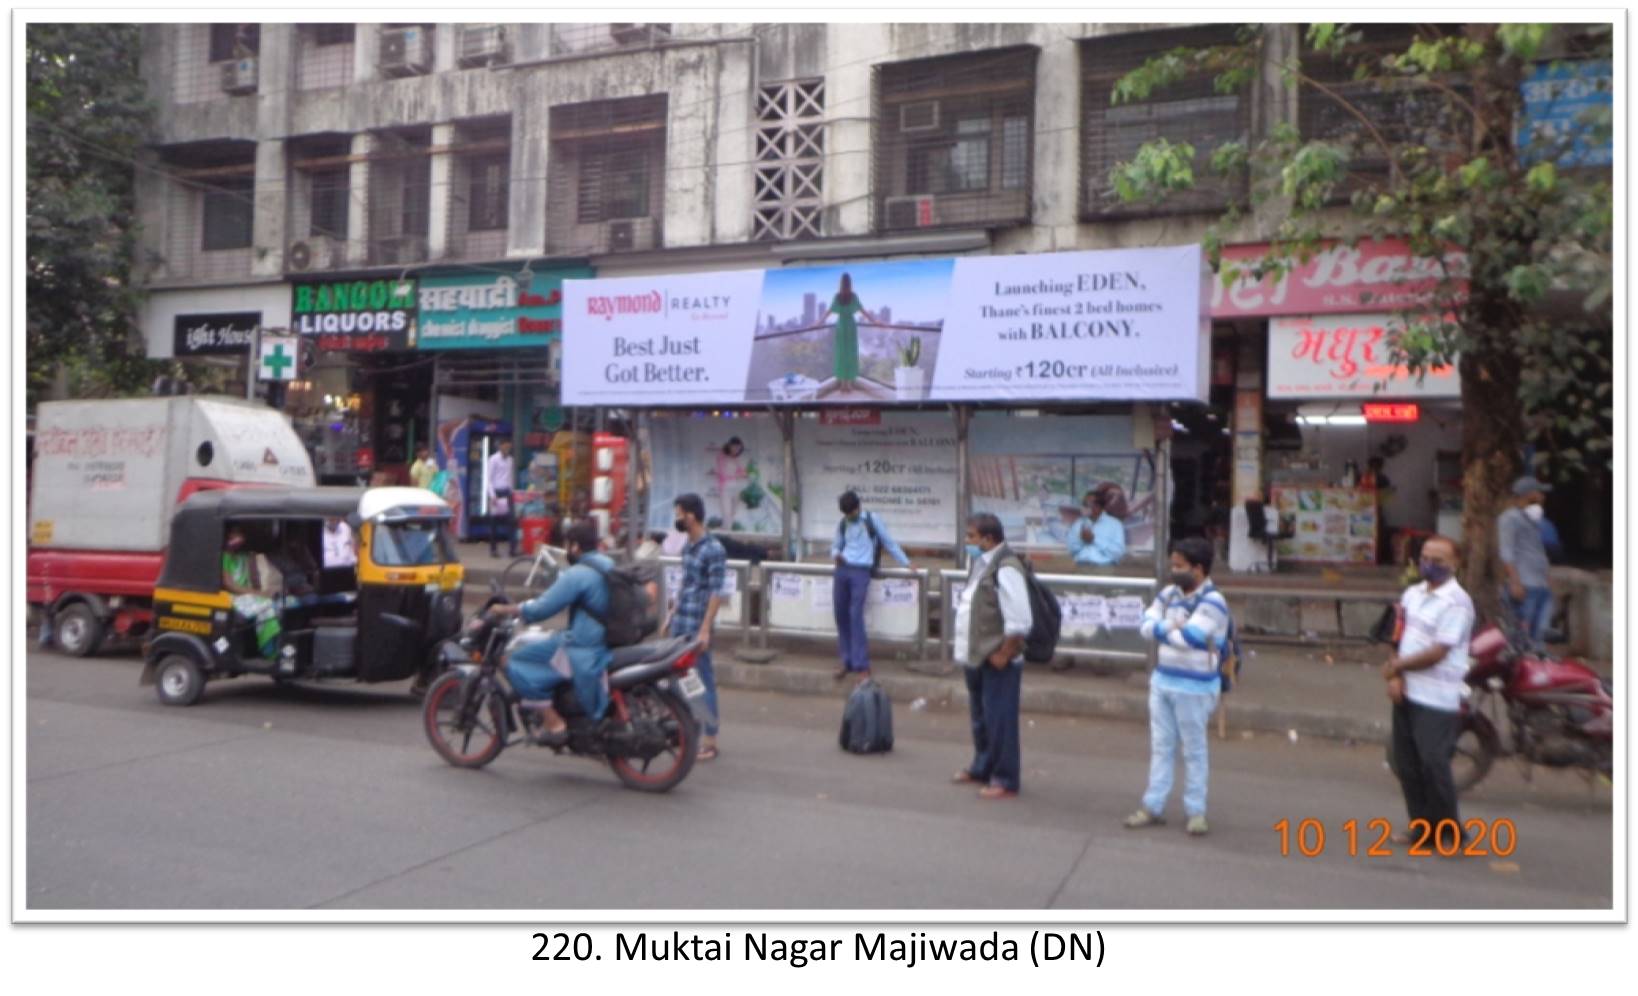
x=268 y=458
x=609 y=305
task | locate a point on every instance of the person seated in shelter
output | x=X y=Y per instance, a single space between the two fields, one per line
x=250 y=579
x=338 y=544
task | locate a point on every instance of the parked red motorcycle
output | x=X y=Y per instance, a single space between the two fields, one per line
x=1557 y=713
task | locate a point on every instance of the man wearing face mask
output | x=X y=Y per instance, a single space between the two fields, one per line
x=1425 y=684
x=857 y=550
x=992 y=621
x=538 y=661
x=1190 y=621
x=704 y=576
x=1524 y=558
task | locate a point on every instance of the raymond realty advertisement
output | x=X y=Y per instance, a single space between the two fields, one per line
x=1111 y=325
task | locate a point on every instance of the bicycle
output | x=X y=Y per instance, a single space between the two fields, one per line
x=529 y=576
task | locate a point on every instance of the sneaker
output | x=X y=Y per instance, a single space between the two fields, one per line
x=1143 y=818
x=1196 y=825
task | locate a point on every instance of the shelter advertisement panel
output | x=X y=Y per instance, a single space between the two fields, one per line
x=1112 y=325
x=736 y=465
x=904 y=470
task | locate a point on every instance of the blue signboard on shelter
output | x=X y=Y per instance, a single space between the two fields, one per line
x=1567 y=114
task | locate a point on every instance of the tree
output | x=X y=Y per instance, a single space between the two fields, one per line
x=88 y=115
x=1422 y=143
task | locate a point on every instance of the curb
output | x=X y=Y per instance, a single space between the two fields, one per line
x=1130 y=706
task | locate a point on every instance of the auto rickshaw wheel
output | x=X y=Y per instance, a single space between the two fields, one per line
x=179 y=679
x=79 y=631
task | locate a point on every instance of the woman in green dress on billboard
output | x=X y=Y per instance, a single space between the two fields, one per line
x=845 y=305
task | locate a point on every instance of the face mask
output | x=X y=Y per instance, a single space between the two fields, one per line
x=1533 y=512
x=974 y=551
x=235 y=544
x=1434 y=574
x=681 y=525
x=1183 y=579
x=572 y=557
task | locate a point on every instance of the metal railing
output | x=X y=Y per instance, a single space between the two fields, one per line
x=898 y=589
x=736 y=612
x=1089 y=618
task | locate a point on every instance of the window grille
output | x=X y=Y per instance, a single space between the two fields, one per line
x=584 y=39
x=207 y=61
x=790 y=166
x=953 y=140
x=400 y=197
x=607 y=185
x=1188 y=111
x=481 y=189
x=329 y=199
x=490 y=185
x=234 y=41
x=324 y=55
x=229 y=214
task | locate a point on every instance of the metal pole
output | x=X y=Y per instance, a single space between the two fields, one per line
x=250 y=368
x=634 y=464
x=787 y=434
x=964 y=488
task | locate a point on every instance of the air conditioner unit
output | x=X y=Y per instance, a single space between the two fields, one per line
x=482 y=44
x=239 y=76
x=317 y=253
x=917 y=211
x=919 y=116
x=630 y=235
x=397 y=249
x=639 y=34
x=405 y=51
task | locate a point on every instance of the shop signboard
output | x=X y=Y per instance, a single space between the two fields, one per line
x=1567 y=114
x=1110 y=325
x=356 y=315
x=226 y=333
x=1375 y=275
x=1346 y=356
x=493 y=310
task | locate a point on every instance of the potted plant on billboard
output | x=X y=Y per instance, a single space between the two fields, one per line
x=909 y=379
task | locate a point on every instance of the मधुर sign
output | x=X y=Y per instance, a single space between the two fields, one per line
x=222 y=334
x=1115 y=325
x=356 y=315
x=487 y=310
x=1346 y=356
x=1375 y=275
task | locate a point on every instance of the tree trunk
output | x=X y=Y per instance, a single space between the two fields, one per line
x=1492 y=433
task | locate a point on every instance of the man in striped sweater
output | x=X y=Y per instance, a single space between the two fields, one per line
x=1190 y=621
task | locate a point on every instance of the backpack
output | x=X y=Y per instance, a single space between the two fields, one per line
x=867 y=720
x=631 y=617
x=875 y=541
x=1232 y=657
x=1046 y=617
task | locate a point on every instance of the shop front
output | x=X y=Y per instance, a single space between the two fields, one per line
x=208 y=331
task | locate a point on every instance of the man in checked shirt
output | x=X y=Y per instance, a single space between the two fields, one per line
x=705 y=569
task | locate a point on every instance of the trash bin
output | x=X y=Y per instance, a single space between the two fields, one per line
x=534 y=531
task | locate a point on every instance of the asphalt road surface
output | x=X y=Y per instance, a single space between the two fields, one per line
x=266 y=797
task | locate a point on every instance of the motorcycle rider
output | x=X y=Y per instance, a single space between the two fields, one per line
x=538 y=661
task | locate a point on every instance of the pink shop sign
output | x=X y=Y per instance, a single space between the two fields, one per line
x=1373 y=276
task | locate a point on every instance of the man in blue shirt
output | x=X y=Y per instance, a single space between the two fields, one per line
x=705 y=572
x=855 y=551
x=538 y=661
x=1098 y=541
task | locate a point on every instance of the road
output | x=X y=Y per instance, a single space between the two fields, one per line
x=327 y=797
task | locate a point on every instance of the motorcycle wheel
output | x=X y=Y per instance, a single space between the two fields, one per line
x=662 y=772
x=519 y=586
x=1470 y=763
x=472 y=743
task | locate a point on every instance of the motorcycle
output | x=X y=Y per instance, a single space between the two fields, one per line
x=1557 y=713
x=649 y=736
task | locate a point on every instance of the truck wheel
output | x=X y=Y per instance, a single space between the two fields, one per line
x=79 y=631
x=179 y=680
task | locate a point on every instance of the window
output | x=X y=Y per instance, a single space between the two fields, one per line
x=413 y=543
x=790 y=154
x=234 y=41
x=608 y=166
x=331 y=34
x=489 y=190
x=330 y=196
x=614 y=184
x=955 y=134
x=229 y=213
x=1188 y=111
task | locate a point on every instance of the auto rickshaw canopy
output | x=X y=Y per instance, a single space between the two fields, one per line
x=194 y=560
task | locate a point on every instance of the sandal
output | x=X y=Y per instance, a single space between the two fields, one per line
x=997 y=792
x=706 y=754
x=964 y=777
x=839 y=673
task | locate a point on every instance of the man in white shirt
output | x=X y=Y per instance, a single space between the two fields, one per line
x=501 y=511
x=1425 y=683
x=992 y=620
x=338 y=544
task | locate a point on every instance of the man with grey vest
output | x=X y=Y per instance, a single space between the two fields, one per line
x=992 y=620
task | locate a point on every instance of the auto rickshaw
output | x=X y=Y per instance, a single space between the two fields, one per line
x=310 y=604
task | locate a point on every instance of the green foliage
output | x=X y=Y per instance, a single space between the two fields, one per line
x=910 y=355
x=1159 y=168
x=1522 y=41
x=87 y=115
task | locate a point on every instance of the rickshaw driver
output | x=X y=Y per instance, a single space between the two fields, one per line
x=537 y=662
x=249 y=588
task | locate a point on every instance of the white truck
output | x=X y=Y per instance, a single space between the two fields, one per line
x=106 y=478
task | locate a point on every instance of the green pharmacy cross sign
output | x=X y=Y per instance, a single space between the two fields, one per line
x=278 y=358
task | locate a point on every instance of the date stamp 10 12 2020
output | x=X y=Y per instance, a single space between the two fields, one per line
x=1375 y=839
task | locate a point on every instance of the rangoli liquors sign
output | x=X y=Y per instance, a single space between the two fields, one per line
x=1373 y=276
x=356 y=315
x=493 y=310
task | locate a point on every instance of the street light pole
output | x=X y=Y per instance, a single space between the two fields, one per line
x=250 y=368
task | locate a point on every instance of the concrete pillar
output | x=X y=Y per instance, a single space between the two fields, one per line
x=526 y=230
x=366 y=46
x=440 y=197
x=358 y=201
x=444 y=39
x=275 y=78
x=268 y=226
